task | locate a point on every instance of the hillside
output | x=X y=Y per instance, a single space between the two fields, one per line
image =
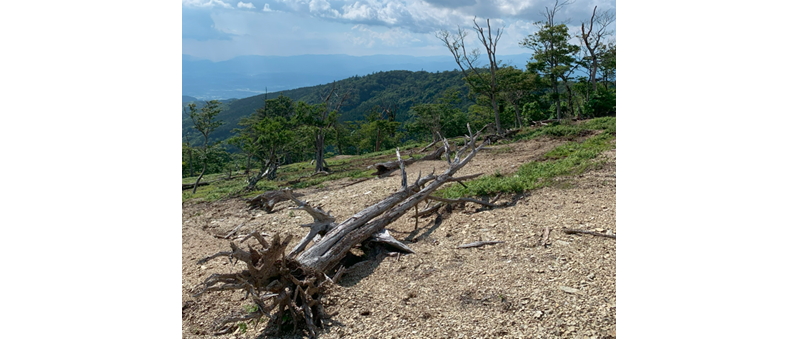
x=245 y=76
x=401 y=88
x=520 y=288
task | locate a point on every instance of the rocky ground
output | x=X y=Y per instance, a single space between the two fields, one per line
x=515 y=289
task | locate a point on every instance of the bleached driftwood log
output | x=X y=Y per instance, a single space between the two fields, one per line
x=295 y=283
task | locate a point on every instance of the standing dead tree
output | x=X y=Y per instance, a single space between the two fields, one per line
x=592 y=39
x=467 y=62
x=295 y=283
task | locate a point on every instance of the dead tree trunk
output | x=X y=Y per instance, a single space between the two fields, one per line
x=383 y=169
x=197 y=182
x=294 y=283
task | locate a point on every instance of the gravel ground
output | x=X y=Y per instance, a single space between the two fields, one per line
x=515 y=289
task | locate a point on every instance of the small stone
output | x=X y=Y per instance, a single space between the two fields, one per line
x=537 y=314
x=561 y=243
x=569 y=289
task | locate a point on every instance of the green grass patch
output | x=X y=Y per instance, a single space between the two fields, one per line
x=568 y=159
x=568 y=130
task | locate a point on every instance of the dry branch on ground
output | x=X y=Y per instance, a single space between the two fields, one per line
x=577 y=231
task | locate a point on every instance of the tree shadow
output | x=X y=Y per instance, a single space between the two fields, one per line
x=359 y=267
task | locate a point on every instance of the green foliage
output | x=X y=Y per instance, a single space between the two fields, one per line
x=442 y=117
x=553 y=55
x=518 y=90
x=608 y=63
x=533 y=112
x=602 y=103
x=204 y=120
x=377 y=133
x=268 y=136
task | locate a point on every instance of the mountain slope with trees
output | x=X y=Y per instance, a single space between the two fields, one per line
x=400 y=89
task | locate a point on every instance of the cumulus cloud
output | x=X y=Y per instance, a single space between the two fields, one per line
x=246 y=5
x=206 y=3
x=199 y=25
x=373 y=25
x=425 y=16
x=451 y=3
x=393 y=37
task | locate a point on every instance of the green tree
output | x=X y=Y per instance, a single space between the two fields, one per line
x=602 y=103
x=204 y=121
x=608 y=64
x=516 y=86
x=345 y=137
x=321 y=118
x=379 y=131
x=554 y=56
x=441 y=118
x=188 y=159
x=265 y=136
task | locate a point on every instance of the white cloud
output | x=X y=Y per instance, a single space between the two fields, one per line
x=206 y=3
x=245 y=5
x=394 y=37
x=319 y=5
x=364 y=27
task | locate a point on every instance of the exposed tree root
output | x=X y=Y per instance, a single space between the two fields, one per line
x=284 y=292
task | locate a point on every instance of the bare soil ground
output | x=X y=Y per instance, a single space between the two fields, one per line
x=516 y=289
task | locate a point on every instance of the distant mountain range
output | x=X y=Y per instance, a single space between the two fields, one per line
x=246 y=76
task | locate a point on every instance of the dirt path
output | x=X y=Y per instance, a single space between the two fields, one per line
x=516 y=289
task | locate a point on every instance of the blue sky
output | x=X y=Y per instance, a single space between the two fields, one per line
x=222 y=29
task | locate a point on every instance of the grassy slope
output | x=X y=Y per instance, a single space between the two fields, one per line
x=569 y=159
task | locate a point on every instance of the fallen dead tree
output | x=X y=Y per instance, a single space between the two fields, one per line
x=386 y=168
x=267 y=200
x=191 y=185
x=288 y=288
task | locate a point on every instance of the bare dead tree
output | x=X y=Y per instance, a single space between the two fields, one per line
x=592 y=39
x=293 y=285
x=467 y=61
